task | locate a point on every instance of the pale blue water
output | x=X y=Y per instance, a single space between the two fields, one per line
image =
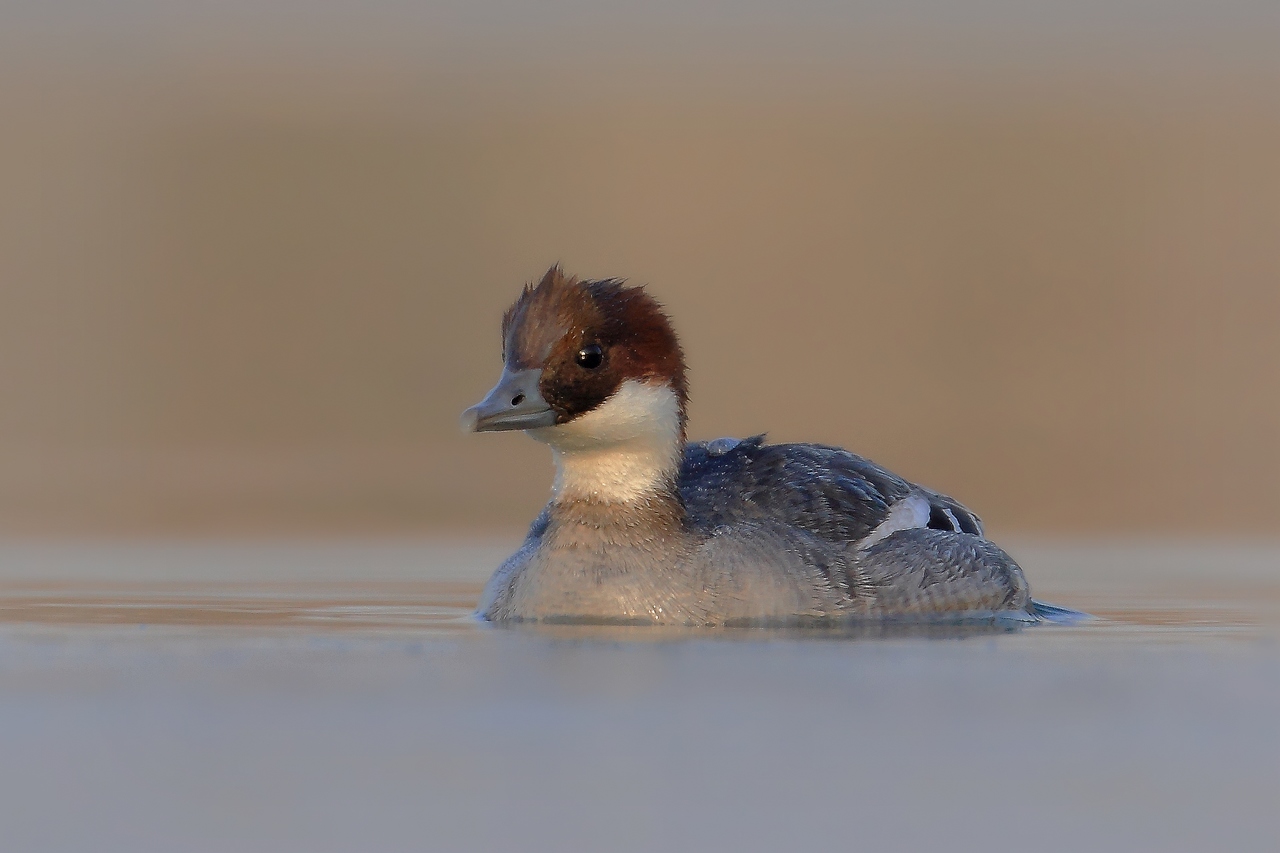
x=338 y=697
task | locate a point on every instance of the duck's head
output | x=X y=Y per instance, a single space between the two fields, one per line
x=586 y=364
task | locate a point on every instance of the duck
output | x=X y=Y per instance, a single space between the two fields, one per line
x=644 y=527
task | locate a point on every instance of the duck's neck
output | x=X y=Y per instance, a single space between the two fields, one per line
x=618 y=466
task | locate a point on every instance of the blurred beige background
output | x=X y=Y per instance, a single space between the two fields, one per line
x=252 y=265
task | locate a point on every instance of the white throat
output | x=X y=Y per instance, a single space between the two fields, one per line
x=622 y=451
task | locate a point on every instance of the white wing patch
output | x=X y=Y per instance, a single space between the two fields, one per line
x=907 y=514
x=951 y=517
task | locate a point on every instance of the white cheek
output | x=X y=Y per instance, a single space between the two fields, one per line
x=636 y=411
x=620 y=451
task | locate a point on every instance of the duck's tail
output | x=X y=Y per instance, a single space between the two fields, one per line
x=1056 y=615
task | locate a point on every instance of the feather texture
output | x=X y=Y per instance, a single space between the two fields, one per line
x=767 y=533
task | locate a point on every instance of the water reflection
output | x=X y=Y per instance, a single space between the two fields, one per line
x=343 y=698
x=447 y=606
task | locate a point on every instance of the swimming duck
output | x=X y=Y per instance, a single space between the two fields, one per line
x=645 y=527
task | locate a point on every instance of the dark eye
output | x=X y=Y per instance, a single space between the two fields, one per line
x=590 y=356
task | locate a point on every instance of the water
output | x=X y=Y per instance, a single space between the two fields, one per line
x=278 y=697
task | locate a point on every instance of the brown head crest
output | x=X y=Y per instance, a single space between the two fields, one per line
x=559 y=323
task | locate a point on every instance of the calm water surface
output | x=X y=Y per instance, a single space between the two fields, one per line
x=165 y=696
